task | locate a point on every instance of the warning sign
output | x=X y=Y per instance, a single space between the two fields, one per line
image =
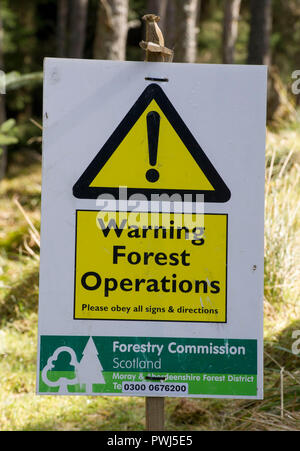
x=151 y=266
x=152 y=252
x=128 y=365
x=151 y=152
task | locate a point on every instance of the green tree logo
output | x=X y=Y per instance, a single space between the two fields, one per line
x=90 y=368
x=63 y=369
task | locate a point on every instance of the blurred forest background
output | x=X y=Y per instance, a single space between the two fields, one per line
x=199 y=31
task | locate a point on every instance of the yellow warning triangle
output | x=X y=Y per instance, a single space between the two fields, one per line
x=130 y=162
x=179 y=164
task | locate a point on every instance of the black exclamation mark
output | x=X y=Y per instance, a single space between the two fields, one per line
x=153 y=120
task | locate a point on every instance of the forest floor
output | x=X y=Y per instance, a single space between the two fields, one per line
x=21 y=409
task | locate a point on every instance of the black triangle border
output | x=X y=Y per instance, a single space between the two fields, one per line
x=82 y=190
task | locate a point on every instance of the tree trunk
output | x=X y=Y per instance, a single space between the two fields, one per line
x=61 y=28
x=111 y=30
x=230 y=29
x=77 y=28
x=169 y=26
x=159 y=8
x=260 y=31
x=3 y=150
x=186 y=31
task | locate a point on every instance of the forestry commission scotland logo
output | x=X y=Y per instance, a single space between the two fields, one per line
x=65 y=372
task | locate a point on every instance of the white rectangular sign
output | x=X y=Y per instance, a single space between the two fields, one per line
x=151 y=275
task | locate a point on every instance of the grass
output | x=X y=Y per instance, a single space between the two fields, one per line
x=21 y=409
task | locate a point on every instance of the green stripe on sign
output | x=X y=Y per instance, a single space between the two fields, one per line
x=83 y=364
x=163 y=354
x=180 y=354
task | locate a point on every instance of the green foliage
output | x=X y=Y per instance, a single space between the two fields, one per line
x=21 y=90
x=15 y=80
x=285 y=37
x=7 y=133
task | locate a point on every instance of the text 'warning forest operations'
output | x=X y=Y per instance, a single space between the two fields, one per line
x=150 y=266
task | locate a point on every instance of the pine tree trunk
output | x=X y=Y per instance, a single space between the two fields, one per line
x=186 y=31
x=169 y=25
x=61 y=28
x=3 y=150
x=111 y=30
x=158 y=7
x=77 y=28
x=260 y=32
x=230 y=29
